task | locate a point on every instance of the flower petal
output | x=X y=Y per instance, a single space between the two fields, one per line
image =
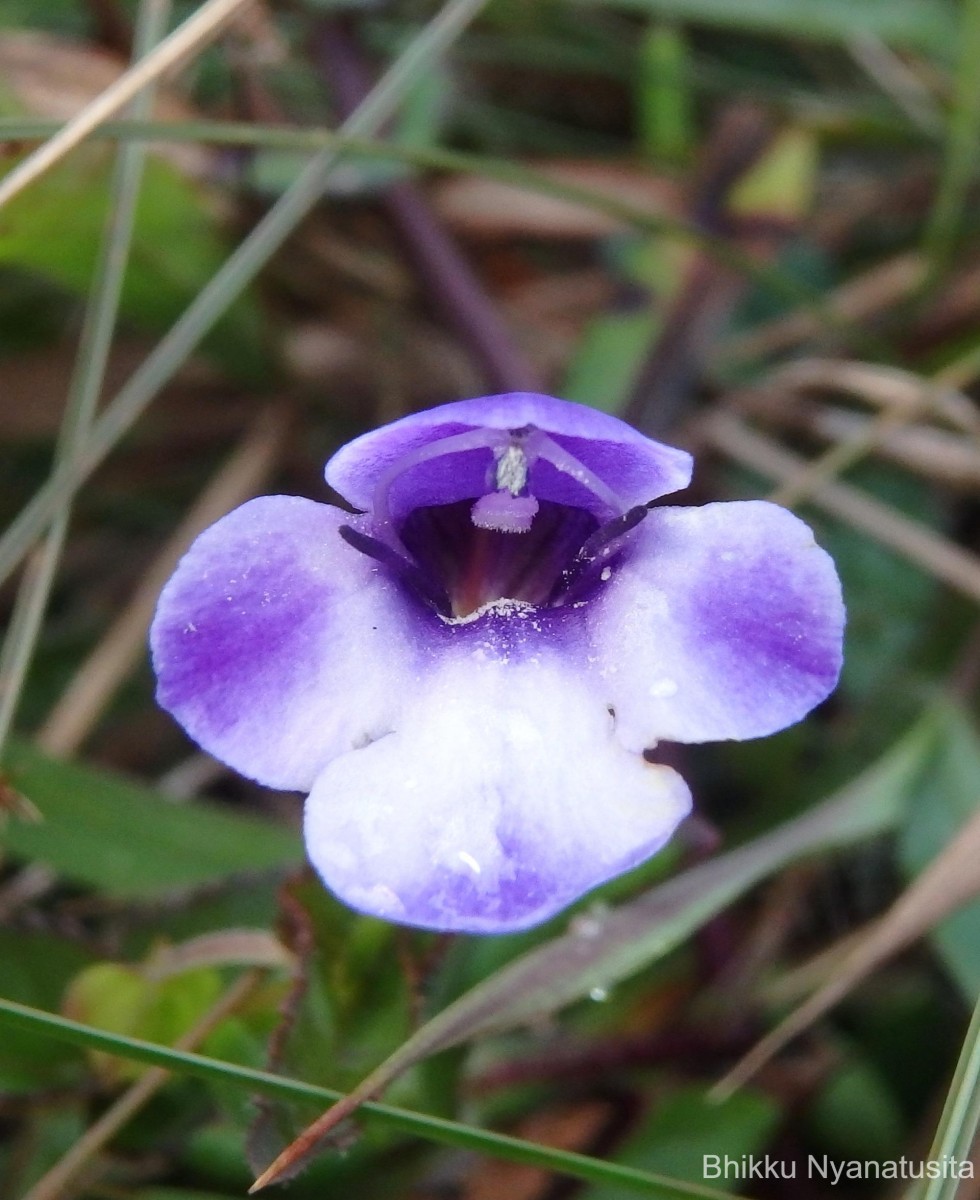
x=723 y=622
x=277 y=645
x=635 y=467
x=503 y=797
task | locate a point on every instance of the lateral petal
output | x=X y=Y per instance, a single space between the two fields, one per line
x=724 y=621
x=277 y=646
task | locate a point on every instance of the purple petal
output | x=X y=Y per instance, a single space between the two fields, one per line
x=278 y=646
x=636 y=468
x=724 y=622
x=502 y=797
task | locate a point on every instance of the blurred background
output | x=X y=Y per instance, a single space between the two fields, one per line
x=749 y=229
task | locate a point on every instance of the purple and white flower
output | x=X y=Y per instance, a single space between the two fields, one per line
x=465 y=673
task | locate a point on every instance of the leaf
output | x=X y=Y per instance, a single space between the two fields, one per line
x=122 y=999
x=947 y=799
x=922 y=24
x=599 y=951
x=105 y=831
x=682 y=1131
x=35 y=969
x=176 y=246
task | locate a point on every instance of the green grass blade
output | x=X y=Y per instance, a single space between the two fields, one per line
x=960 y=1118
x=435 y=1129
x=87 y=377
x=920 y=24
x=960 y=163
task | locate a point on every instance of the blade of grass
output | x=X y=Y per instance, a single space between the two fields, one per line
x=910 y=23
x=187 y=38
x=950 y=881
x=230 y=280
x=87 y=378
x=960 y=161
x=435 y=1129
x=231 y=133
x=960 y=1117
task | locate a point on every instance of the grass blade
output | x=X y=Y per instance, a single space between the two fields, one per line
x=87 y=378
x=435 y=1129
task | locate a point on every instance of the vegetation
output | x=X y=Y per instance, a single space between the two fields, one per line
x=748 y=228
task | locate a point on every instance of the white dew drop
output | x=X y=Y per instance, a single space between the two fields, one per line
x=469 y=861
x=599 y=994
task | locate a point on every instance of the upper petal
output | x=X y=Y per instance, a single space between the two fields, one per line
x=635 y=467
x=278 y=646
x=724 y=622
x=502 y=798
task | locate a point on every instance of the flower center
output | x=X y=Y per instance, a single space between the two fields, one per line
x=505 y=543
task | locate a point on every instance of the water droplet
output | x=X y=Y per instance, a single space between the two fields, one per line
x=598 y=994
x=605 y=574
x=468 y=860
x=662 y=688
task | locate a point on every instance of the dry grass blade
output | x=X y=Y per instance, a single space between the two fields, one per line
x=934 y=553
x=188 y=38
x=880 y=288
x=949 y=459
x=887 y=388
x=949 y=881
x=52 y=1185
x=902 y=397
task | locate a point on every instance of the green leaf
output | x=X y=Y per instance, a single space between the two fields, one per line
x=854 y=1114
x=680 y=1131
x=663 y=95
x=176 y=245
x=105 y=831
x=124 y=999
x=920 y=24
x=946 y=796
x=35 y=970
x=608 y=358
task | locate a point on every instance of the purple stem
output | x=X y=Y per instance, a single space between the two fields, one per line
x=452 y=287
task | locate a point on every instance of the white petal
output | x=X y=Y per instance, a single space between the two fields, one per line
x=501 y=799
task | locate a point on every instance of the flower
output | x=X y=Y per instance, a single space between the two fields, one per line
x=465 y=674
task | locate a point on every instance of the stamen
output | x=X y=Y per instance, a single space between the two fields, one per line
x=474 y=439
x=594 y=553
x=404 y=567
x=607 y=538
x=540 y=445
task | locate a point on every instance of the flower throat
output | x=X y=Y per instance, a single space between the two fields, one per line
x=506 y=544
